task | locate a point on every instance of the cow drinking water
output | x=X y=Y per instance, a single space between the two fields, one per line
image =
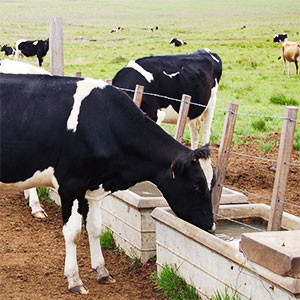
x=87 y=139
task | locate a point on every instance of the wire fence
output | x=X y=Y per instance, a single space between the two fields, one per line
x=234 y=152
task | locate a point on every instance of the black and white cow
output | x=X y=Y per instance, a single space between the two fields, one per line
x=17 y=67
x=87 y=139
x=32 y=48
x=280 y=38
x=8 y=51
x=197 y=74
x=177 y=43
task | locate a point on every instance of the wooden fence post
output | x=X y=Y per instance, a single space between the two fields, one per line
x=223 y=154
x=282 y=168
x=56 y=47
x=138 y=95
x=183 y=112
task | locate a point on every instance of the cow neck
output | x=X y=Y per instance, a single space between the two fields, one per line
x=151 y=159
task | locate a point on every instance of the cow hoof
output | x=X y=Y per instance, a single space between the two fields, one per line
x=109 y=279
x=80 y=289
x=40 y=214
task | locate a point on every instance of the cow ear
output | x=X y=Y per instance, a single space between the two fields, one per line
x=176 y=168
x=203 y=152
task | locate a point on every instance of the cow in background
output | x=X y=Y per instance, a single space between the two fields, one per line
x=37 y=48
x=8 y=51
x=196 y=74
x=177 y=43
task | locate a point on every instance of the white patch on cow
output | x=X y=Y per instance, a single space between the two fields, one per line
x=209 y=52
x=35 y=43
x=207 y=170
x=71 y=232
x=96 y=195
x=171 y=75
x=39 y=178
x=167 y=115
x=208 y=114
x=148 y=76
x=84 y=88
x=18 y=67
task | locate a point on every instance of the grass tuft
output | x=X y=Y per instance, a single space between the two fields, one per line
x=281 y=99
x=43 y=194
x=107 y=239
x=173 y=286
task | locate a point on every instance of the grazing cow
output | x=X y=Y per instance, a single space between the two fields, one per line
x=290 y=53
x=117 y=29
x=87 y=139
x=197 y=74
x=17 y=67
x=151 y=28
x=280 y=38
x=8 y=51
x=32 y=48
x=177 y=43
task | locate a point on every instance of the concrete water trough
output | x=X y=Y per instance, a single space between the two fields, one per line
x=265 y=265
x=128 y=214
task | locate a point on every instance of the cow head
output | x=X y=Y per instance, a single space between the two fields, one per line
x=188 y=187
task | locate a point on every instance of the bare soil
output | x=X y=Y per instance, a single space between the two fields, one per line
x=32 y=250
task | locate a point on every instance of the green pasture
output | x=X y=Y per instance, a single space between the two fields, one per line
x=252 y=73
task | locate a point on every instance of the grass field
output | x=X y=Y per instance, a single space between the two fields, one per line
x=252 y=74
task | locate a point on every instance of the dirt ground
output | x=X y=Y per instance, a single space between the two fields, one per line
x=32 y=250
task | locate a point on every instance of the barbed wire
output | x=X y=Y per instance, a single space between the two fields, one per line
x=205 y=106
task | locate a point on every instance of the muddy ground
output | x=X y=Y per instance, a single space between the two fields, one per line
x=32 y=250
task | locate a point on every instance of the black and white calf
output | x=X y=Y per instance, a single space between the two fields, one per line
x=37 y=48
x=87 y=139
x=177 y=43
x=8 y=51
x=197 y=74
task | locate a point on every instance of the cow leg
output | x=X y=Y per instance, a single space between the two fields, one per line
x=194 y=132
x=208 y=114
x=34 y=202
x=93 y=226
x=296 y=63
x=71 y=232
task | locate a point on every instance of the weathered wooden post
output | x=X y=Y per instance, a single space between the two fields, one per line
x=282 y=168
x=56 y=47
x=138 y=95
x=182 y=117
x=223 y=154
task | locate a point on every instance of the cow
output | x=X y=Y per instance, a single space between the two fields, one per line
x=196 y=74
x=37 y=48
x=117 y=29
x=17 y=67
x=88 y=139
x=177 y=43
x=280 y=38
x=290 y=53
x=8 y=51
